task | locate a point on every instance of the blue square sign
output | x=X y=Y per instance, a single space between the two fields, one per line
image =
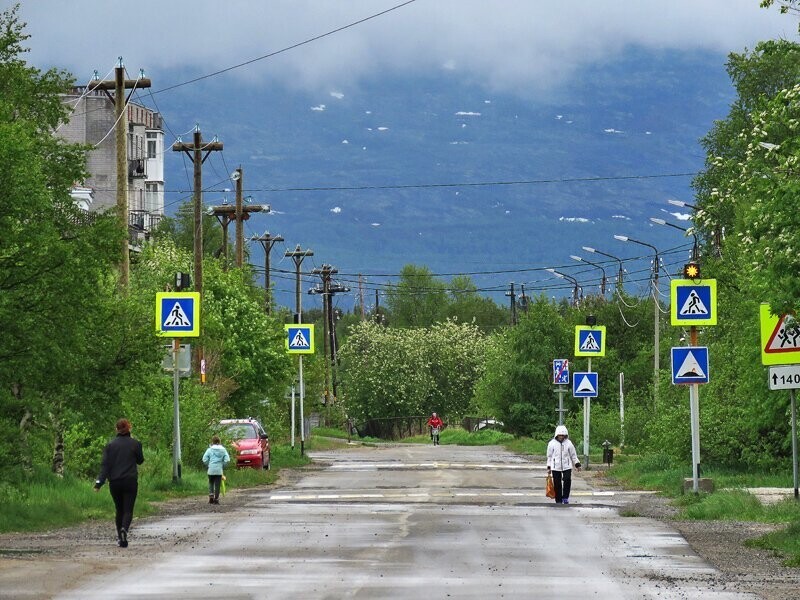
x=561 y=371
x=584 y=385
x=689 y=365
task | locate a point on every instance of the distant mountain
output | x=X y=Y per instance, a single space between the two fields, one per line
x=640 y=116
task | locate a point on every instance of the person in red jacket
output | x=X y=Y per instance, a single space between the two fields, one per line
x=436 y=424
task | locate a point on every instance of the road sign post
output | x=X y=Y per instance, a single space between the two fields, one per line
x=780 y=346
x=693 y=303
x=177 y=315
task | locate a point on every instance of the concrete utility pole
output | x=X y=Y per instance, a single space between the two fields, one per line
x=119 y=85
x=298 y=255
x=267 y=242
x=195 y=153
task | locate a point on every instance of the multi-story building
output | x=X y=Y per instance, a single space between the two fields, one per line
x=92 y=122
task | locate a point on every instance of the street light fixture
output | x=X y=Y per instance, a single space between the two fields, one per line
x=695 y=247
x=602 y=281
x=656 y=313
x=572 y=280
x=619 y=260
x=681 y=203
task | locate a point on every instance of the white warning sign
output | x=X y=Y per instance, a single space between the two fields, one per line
x=299 y=341
x=177 y=317
x=693 y=305
x=590 y=343
x=690 y=367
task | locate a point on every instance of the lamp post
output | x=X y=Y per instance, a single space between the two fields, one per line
x=619 y=260
x=695 y=248
x=588 y=262
x=656 y=313
x=572 y=280
x=718 y=231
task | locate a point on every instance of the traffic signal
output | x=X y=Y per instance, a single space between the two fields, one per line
x=691 y=270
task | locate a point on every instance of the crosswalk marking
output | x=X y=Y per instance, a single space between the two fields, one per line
x=478 y=493
x=371 y=466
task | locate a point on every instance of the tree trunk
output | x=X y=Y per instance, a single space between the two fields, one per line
x=26 y=460
x=58 y=447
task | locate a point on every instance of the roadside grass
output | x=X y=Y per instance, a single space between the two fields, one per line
x=730 y=501
x=329 y=432
x=457 y=436
x=45 y=501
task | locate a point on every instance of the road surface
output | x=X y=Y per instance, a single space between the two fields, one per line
x=403 y=521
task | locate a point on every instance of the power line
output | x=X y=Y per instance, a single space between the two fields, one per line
x=287 y=48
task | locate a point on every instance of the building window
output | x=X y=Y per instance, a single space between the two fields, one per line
x=152 y=149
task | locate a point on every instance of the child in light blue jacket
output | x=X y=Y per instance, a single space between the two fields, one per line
x=216 y=457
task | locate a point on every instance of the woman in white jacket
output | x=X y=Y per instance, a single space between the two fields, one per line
x=561 y=457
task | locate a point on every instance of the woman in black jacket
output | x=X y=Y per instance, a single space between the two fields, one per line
x=120 y=459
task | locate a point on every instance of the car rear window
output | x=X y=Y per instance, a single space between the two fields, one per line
x=241 y=431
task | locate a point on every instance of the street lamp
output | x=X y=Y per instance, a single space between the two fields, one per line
x=602 y=281
x=572 y=280
x=656 y=313
x=616 y=258
x=695 y=248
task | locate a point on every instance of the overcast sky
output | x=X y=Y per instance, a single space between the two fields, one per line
x=505 y=45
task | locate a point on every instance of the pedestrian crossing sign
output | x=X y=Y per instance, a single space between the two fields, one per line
x=693 y=302
x=584 y=385
x=299 y=339
x=590 y=340
x=689 y=364
x=178 y=314
x=780 y=338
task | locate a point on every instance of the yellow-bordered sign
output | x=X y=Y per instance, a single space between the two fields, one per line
x=178 y=314
x=780 y=341
x=590 y=341
x=693 y=302
x=299 y=339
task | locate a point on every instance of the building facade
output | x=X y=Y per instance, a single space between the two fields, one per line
x=92 y=122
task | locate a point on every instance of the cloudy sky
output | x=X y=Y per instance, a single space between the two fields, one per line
x=520 y=46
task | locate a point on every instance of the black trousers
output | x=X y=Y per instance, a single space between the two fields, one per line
x=124 y=492
x=563 y=483
x=214 y=483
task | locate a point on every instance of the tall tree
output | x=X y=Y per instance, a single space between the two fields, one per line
x=418 y=299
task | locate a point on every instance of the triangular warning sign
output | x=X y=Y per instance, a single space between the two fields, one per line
x=177 y=318
x=690 y=368
x=585 y=385
x=589 y=344
x=784 y=338
x=693 y=305
x=299 y=340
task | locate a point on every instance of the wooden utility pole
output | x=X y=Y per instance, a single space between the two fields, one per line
x=226 y=213
x=119 y=85
x=267 y=242
x=334 y=289
x=325 y=273
x=513 y=296
x=195 y=153
x=361 y=296
x=239 y=219
x=298 y=255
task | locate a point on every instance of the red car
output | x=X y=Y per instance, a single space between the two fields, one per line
x=249 y=440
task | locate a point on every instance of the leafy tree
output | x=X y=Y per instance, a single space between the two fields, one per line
x=516 y=387
x=466 y=305
x=418 y=299
x=389 y=372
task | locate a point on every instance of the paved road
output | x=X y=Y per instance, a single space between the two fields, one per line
x=410 y=522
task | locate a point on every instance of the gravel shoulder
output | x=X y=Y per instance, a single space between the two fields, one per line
x=44 y=563
x=721 y=543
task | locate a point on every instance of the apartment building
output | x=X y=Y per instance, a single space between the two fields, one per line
x=92 y=122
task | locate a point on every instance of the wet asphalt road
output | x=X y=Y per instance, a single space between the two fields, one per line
x=416 y=522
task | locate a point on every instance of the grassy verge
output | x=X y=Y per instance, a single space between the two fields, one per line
x=46 y=502
x=659 y=472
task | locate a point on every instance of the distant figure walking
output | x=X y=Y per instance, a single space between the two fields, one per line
x=436 y=424
x=119 y=466
x=215 y=458
x=561 y=457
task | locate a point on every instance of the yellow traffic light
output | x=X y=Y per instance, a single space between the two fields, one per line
x=691 y=271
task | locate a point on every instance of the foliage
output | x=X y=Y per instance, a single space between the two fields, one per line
x=517 y=386
x=397 y=372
